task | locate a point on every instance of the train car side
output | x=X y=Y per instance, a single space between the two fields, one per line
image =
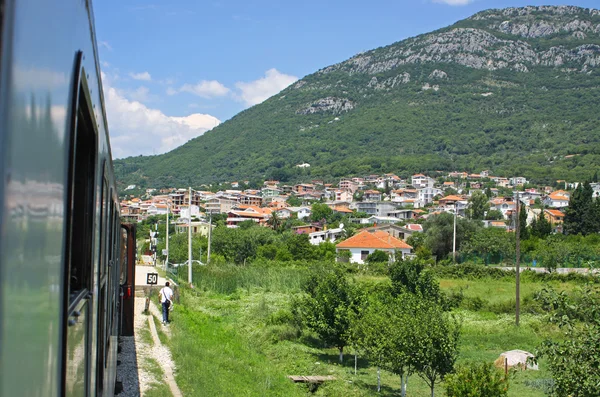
x=62 y=256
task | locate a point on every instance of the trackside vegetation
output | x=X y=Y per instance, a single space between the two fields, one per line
x=243 y=329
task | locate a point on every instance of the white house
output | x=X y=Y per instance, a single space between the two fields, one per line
x=557 y=199
x=427 y=194
x=361 y=245
x=317 y=238
x=301 y=212
x=157 y=209
x=184 y=212
x=421 y=181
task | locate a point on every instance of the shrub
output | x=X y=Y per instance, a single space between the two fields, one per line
x=477 y=380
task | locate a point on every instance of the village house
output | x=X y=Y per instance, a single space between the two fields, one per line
x=503 y=204
x=248 y=199
x=330 y=235
x=378 y=208
x=270 y=191
x=402 y=195
x=397 y=231
x=372 y=195
x=422 y=181
x=555 y=217
x=517 y=181
x=557 y=199
x=361 y=245
x=426 y=195
x=220 y=205
x=303 y=188
x=256 y=214
x=349 y=185
x=198 y=227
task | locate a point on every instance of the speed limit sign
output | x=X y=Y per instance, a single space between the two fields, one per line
x=152 y=278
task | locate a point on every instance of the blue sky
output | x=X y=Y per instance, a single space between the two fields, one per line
x=174 y=69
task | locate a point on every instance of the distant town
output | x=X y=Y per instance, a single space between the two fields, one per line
x=385 y=202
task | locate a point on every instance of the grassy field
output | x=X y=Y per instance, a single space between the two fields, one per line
x=227 y=340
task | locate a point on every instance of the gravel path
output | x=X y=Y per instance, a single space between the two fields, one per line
x=137 y=352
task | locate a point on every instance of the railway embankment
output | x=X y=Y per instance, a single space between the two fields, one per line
x=146 y=366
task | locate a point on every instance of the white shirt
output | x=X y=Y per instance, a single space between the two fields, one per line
x=166 y=294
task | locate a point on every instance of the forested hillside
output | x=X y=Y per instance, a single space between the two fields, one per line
x=515 y=91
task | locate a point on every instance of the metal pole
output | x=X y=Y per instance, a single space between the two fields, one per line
x=190 y=237
x=518 y=252
x=209 y=233
x=454 y=239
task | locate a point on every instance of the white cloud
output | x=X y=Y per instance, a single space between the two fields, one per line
x=145 y=76
x=137 y=129
x=454 y=2
x=257 y=91
x=205 y=89
x=106 y=45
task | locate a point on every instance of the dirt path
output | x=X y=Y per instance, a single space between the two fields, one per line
x=146 y=363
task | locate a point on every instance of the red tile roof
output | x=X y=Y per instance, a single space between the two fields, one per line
x=377 y=240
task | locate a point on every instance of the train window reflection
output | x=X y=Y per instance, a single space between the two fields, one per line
x=81 y=200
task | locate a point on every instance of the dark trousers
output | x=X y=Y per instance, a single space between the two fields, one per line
x=165 y=311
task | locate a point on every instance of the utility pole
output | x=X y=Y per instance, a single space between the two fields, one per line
x=454 y=238
x=518 y=253
x=190 y=236
x=209 y=233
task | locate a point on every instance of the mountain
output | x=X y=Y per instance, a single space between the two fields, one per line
x=515 y=91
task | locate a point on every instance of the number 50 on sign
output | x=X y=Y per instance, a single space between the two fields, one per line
x=152 y=278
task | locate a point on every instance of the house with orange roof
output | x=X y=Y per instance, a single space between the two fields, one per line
x=361 y=245
x=554 y=216
x=256 y=214
x=557 y=199
x=372 y=195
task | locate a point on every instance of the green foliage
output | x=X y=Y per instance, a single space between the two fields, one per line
x=573 y=361
x=541 y=227
x=476 y=380
x=439 y=230
x=327 y=306
x=411 y=276
x=582 y=216
x=478 y=206
x=527 y=126
x=492 y=243
x=320 y=212
x=378 y=256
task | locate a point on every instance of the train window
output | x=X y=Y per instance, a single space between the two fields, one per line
x=124 y=240
x=103 y=228
x=80 y=207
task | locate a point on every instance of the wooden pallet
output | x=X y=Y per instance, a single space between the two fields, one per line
x=310 y=379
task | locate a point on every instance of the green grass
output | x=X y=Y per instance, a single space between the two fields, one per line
x=225 y=342
x=156 y=389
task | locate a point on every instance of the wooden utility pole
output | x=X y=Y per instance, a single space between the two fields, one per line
x=518 y=260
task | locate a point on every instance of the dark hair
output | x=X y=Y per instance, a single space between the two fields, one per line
x=167 y=284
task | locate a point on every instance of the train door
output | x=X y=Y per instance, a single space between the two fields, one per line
x=103 y=288
x=127 y=278
x=79 y=255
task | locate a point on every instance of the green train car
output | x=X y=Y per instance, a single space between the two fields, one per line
x=67 y=268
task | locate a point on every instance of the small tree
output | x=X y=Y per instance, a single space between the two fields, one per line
x=327 y=306
x=378 y=256
x=439 y=335
x=411 y=276
x=478 y=206
x=476 y=380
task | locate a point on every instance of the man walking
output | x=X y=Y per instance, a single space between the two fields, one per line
x=166 y=299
